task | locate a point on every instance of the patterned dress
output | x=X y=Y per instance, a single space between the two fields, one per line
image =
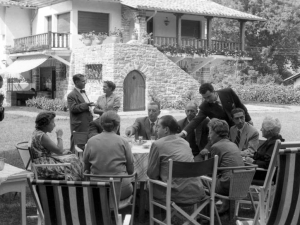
x=43 y=156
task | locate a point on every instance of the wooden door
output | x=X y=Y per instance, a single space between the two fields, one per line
x=134 y=92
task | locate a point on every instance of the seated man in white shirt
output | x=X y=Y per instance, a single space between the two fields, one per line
x=243 y=134
x=145 y=126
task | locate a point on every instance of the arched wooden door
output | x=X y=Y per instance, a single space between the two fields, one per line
x=134 y=92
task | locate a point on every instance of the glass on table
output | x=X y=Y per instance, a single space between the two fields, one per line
x=140 y=139
x=152 y=138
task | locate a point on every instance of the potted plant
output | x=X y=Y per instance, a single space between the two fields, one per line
x=87 y=38
x=100 y=37
x=115 y=35
x=146 y=38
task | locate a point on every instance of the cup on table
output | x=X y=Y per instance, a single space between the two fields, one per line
x=2 y=163
x=152 y=138
x=140 y=139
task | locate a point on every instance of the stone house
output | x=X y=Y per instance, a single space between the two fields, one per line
x=47 y=51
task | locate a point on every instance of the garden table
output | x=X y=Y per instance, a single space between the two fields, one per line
x=140 y=158
x=13 y=179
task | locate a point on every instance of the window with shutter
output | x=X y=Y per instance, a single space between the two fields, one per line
x=63 y=23
x=190 y=29
x=90 y=21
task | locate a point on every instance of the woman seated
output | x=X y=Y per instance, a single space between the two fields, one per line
x=45 y=151
x=109 y=154
x=270 y=130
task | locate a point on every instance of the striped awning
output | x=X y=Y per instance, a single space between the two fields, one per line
x=24 y=63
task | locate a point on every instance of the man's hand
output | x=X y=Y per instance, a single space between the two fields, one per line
x=91 y=104
x=204 y=152
x=249 y=160
x=181 y=134
x=128 y=131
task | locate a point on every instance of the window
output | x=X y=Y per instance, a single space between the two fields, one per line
x=63 y=23
x=190 y=29
x=89 y=21
x=46 y=79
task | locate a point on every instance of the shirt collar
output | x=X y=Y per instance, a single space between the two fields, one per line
x=153 y=122
x=241 y=130
x=78 y=89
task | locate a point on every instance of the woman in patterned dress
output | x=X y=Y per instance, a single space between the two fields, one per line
x=45 y=151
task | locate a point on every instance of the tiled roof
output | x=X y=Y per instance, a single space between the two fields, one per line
x=197 y=7
x=16 y=3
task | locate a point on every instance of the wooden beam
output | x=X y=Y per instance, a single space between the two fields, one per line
x=178 y=28
x=242 y=34
x=208 y=30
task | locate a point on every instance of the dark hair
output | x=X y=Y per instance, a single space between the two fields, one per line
x=220 y=127
x=77 y=77
x=155 y=103
x=170 y=122
x=237 y=110
x=43 y=119
x=206 y=87
x=110 y=120
x=1 y=79
x=110 y=84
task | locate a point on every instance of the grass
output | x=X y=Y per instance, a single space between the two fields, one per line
x=17 y=128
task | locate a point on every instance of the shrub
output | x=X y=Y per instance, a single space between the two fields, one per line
x=48 y=104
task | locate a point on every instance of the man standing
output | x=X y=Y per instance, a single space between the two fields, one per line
x=243 y=134
x=145 y=126
x=169 y=146
x=216 y=104
x=80 y=107
x=199 y=138
x=1 y=101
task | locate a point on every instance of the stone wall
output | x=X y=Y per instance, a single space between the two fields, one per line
x=160 y=73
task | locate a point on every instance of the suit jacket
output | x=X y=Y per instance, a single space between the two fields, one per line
x=111 y=103
x=80 y=115
x=249 y=137
x=95 y=128
x=198 y=139
x=142 y=128
x=229 y=101
x=2 y=114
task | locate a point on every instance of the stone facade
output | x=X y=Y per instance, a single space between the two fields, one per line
x=159 y=72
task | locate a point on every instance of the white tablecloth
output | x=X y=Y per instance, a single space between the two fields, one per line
x=8 y=171
x=140 y=157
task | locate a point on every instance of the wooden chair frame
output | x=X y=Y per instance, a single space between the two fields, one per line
x=176 y=170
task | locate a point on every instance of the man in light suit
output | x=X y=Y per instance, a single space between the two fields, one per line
x=80 y=107
x=243 y=134
x=145 y=126
x=199 y=138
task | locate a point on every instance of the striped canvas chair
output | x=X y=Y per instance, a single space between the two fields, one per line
x=286 y=204
x=72 y=202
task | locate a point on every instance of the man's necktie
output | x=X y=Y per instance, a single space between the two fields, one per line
x=152 y=129
x=82 y=91
x=238 y=138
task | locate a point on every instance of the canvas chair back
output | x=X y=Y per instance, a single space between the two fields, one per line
x=69 y=202
x=23 y=150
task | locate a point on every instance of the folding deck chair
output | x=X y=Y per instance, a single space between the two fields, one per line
x=286 y=205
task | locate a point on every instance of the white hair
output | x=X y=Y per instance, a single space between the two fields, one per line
x=271 y=125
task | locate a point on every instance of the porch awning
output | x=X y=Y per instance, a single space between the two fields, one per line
x=25 y=63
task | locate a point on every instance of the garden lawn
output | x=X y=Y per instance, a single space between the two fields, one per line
x=17 y=128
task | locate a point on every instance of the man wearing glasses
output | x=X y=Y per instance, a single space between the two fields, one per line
x=145 y=126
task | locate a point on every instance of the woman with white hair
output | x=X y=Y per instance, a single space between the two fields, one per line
x=271 y=131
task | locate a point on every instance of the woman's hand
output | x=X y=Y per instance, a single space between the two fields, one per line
x=59 y=133
x=249 y=160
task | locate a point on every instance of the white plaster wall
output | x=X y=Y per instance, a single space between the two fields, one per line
x=160 y=29
x=297 y=82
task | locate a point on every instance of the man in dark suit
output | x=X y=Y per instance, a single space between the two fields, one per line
x=80 y=107
x=199 y=138
x=1 y=101
x=216 y=104
x=145 y=126
x=95 y=127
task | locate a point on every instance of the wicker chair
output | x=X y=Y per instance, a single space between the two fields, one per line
x=240 y=182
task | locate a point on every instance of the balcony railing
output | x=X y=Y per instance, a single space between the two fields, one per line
x=197 y=43
x=39 y=42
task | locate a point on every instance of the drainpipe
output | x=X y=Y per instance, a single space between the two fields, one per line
x=152 y=16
